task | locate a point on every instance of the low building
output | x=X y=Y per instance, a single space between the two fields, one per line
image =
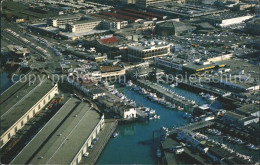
x=148 y=51
x=31 y=96
x=95 y=92
x=67 y=136
x=239 y=119
x=87 y=86
x=226 y=20
x=249 y=110
x=171 y=28
x=114 y=104
x=114 y=25
x=63 y=20
x=124 y=110
x=170 y=63
x=248 y=120
x=83 y=26
x=112 y=71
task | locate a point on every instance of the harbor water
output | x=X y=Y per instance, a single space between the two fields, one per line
x=137 y=142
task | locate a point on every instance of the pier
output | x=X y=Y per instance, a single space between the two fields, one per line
x=104 y=136
x=198 y=89
x=167 y=95
x=192 y=127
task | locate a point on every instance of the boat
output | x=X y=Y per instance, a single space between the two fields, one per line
x=115 y=134
x=210 y=97
x=201 y=94
x=173 y=85
x=171 y=106
x=180 y=108
x=158 y=153
x=129 y=83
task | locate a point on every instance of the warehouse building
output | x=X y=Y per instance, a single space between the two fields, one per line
x=22 y=101
x=226 y=19
x=66 y=137
x=148 y=51
x=170 y=28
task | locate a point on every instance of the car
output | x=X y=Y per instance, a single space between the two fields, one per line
x=86 y=154
x=91 y=146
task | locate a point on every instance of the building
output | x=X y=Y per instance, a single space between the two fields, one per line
x=124 y=110
x=145 y=3
x=63 y=20
x=239 y=119
x=83 y=26
x=249 y=110
x=114 y=104
x=170 y=63
x=113 y=25
x=67 y=136
x=186 y=10
x=148 y=51
x=22 y=101
x=226 y=20
x=170 y=28
x=112 y=72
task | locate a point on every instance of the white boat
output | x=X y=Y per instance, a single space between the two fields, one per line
x=158 y=153
x=180 y=108
x=129 y=83
x=115 y=134
x=210 y=97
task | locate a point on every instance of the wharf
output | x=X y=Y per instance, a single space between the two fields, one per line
x=192 y=127
x=104 y=136
x=167 y=95
x=186 y=156
x=198 y=89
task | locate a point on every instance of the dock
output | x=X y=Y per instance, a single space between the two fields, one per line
x=104 y=136
x=192 y=127
x=167 y=95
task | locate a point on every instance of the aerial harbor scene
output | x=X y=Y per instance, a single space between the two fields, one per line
x=172 y=82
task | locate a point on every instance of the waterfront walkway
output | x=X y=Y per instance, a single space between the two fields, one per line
x=104 y=136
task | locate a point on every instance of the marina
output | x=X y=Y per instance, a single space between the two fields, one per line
x=142 y=149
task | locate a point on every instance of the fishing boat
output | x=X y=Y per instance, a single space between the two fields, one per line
x=115 y=134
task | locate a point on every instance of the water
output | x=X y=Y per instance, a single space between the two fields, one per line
x=135 y=143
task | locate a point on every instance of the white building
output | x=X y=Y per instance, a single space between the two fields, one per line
x=83 y=26
x=148 y=51
x=170 y=63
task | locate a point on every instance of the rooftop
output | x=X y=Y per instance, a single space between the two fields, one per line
x=19 y=98
x=62 y=137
